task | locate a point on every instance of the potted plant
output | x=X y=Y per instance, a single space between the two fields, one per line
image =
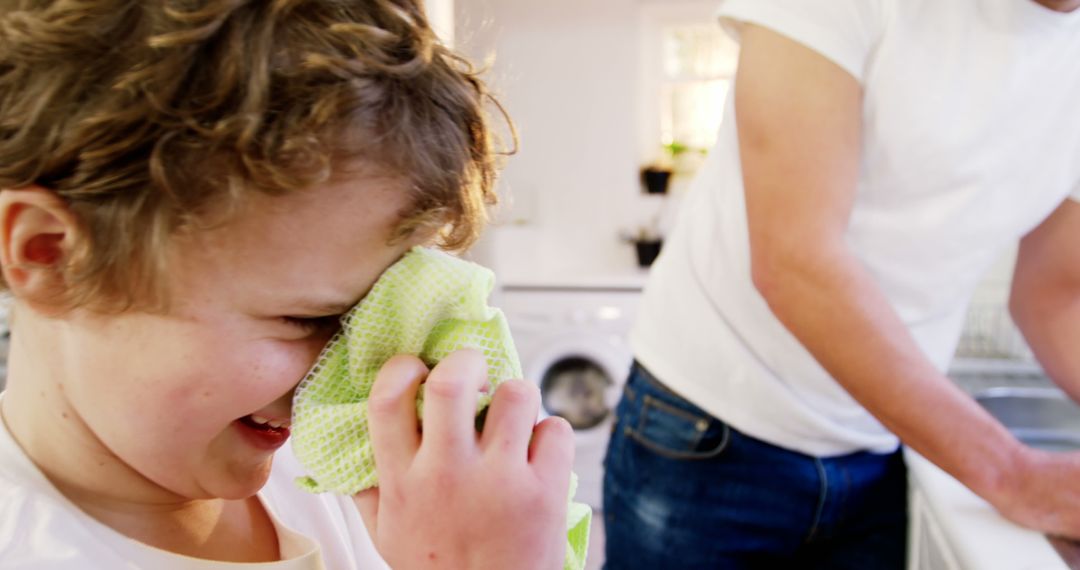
x=656 y=178
x=685 y=159
x=647 y=242
x=678 y=159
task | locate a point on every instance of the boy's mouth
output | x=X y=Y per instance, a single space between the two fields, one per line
x=259 y=422
x=264 y=432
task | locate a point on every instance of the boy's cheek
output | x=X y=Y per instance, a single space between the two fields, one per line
x=280 y=364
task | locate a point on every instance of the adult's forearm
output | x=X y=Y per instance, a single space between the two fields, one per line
x=798 y=207
x=838 y=312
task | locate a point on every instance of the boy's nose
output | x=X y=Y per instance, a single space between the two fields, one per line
x=282 y=406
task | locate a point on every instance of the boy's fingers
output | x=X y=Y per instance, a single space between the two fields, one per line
x=551 y=452
x=392 y=421
x=450 y=396
x=367 y=502
x=510 y=420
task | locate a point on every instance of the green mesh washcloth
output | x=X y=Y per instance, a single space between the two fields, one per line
x=428 y=304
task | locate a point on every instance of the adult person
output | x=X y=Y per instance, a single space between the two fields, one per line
x=876 y=158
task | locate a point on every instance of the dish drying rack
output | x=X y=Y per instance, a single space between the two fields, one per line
x=992 y=353
x=989 y=332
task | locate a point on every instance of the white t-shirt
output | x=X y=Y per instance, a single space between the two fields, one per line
x=40 y=529
x=971 y=123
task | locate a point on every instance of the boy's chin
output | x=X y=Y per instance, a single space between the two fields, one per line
x=242 y=482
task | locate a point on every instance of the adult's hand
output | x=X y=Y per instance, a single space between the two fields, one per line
x=1044 y=494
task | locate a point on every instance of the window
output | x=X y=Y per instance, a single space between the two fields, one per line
x=689 y=63
x=699 y=63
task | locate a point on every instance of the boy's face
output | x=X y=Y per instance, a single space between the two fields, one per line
x=167 y=395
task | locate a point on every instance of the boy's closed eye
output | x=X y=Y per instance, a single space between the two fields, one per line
x=312 y=325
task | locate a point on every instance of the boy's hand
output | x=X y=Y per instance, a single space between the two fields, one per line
x=453 y=498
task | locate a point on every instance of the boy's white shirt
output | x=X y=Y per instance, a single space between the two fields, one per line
x=41 y=529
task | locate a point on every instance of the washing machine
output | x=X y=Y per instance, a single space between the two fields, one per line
x=572 y=341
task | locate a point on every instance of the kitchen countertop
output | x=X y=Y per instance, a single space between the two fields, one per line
x=978 y=536
x=632 y=279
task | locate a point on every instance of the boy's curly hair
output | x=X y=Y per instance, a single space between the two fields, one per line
x=142 y=114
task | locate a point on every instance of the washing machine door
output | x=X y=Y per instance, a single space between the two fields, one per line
x=581 y=377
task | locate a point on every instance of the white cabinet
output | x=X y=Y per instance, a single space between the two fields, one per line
x=928 y=549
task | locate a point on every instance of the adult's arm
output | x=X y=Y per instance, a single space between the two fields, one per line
x=799 y=122
x=1045 y=298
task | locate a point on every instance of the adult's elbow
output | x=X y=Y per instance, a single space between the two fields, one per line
x=784 y=271
x=1032 y=294
x=770 y=268
x=1018 y=307
x=1028 y=301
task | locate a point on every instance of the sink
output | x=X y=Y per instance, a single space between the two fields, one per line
x=1040 y=417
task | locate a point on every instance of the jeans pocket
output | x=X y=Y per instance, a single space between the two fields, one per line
x=676 y=433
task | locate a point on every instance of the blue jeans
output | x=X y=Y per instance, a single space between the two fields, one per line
x=684 y=490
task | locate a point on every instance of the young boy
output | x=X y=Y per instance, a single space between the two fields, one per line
x=192 y=193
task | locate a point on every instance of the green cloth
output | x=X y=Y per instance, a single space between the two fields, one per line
x=428 y=304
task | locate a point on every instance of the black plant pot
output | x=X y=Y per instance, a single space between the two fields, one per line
x=647 y=251
x=655 y=180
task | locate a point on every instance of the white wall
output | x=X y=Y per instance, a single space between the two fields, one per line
x=441 y=15
x=567 y=71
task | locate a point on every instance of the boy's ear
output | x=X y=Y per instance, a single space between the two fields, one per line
x=37 y=236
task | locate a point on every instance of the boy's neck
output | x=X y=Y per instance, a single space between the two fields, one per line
x=1060 y=5
x=215 y=529
x=39 y=416
x=36 y=412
